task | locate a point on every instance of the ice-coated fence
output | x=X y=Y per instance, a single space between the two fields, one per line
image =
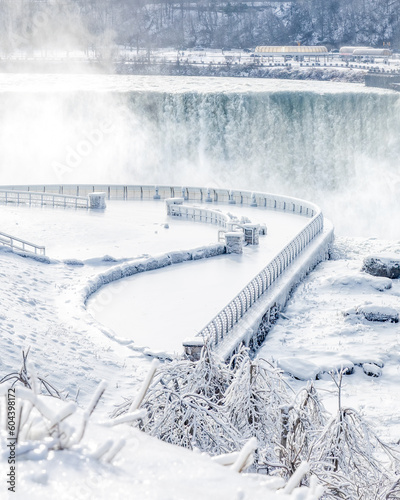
x=219 y=326
x=29 y=197
x=203 y=215
x=21 y=245
x=193 y=194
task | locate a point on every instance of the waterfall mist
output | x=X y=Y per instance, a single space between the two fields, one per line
x=339 y=149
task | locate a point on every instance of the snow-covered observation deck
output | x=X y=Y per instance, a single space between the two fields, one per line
x=236 y=292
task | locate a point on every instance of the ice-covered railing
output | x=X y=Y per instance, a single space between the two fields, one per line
x=222 y=323
x=22 y=245
x=17 y=196
x=202 y=215
x=217 y=329
x=193 y=194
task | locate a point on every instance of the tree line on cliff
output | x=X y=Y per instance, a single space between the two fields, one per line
x=152 y=24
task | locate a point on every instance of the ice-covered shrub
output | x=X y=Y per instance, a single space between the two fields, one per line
x=43 y=420
x=301 y=424
x=216 y=408
x=184 y=406
x=344 y=456
x=254 y=402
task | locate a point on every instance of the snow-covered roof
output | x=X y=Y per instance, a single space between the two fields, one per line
x=372 y=52
x=350 y=50
x=292 y=49
x=364 y=51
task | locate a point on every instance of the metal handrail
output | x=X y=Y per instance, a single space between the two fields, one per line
x=202 y=215
x=147 y=192
x=219 y=326
x=42 y=198
x=20 y=244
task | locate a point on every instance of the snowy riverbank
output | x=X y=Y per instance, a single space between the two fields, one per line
x=36 y=313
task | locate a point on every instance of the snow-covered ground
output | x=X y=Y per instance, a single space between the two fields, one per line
x=312 y=337
x=71 y=351
x=40 y=308
x=145 y=469
x=320 y=332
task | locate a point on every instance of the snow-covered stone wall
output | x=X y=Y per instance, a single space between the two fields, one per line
x=149 y=264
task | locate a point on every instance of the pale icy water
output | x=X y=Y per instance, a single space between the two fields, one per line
x=170 y=84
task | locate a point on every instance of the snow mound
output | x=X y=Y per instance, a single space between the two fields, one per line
x=305 y=369
x=386 y=264
x=378 y=313
x=374 y=312
x=360 y=279
x=73 y=262
x=372 y=370
x=109 y=258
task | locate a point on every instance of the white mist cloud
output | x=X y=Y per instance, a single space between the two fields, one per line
x=340 y=150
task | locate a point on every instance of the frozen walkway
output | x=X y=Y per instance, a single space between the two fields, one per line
x=160 y=308
x=126 y=229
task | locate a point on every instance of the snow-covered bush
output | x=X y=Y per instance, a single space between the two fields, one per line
x=255 y=402
x=184 y=406
x=349 y=459
x=216 y=408
x=301 y=423
x=43 y=420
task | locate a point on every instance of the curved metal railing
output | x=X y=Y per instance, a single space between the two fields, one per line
x=219 y=326
x=203 y=215
x=150 y=192
x=225 y=320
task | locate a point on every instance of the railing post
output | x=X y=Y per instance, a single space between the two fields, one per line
x=216 y=332
x=193 y=348
x=97 y=200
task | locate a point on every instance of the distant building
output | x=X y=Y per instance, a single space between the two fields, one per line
x=295 y=50
x=364 y=52
x=348 y=51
